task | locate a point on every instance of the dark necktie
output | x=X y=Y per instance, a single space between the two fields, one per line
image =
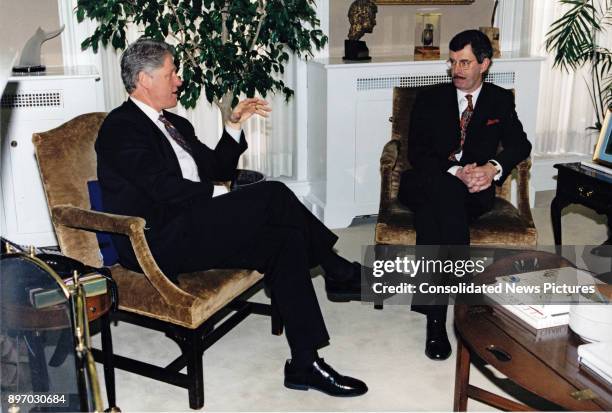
x=175 y=134
x=464 y=122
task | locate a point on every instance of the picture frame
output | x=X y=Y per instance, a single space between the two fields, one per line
x=603 y=150
x=423 y=2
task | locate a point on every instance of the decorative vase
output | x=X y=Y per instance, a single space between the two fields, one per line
x=427 y=37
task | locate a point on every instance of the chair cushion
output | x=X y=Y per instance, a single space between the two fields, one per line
x=503 y=225
x=211 y=290
x=105 y=242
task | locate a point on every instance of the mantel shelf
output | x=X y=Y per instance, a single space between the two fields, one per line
x=399 y=60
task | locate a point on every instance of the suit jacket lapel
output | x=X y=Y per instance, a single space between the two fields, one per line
x=156 y=134
x=480 y=110
x=452 y=110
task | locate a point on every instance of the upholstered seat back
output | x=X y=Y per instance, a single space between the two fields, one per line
x=67 y=161
x=505 y=224
x=403 y=102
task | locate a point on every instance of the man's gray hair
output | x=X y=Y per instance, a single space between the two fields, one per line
x=144 y=55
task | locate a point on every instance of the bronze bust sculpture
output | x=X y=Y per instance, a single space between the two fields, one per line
x=362 y=16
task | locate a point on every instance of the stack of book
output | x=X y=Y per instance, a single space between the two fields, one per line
x=530 y=307
x=93 y=285
x=543 y=321
x=596 y=358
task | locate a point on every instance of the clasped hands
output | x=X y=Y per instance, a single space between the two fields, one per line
x=477 y=178
x=247 y=108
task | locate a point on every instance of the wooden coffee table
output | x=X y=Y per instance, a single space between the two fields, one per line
x=548 y=368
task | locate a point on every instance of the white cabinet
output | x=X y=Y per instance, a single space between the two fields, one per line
x=35 y=104
x=349 y=105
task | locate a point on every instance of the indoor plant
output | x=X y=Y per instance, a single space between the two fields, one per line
x=225 y=47
x=573 y=39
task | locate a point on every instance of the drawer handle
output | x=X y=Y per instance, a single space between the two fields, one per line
x=499 y=354
x=587 y=193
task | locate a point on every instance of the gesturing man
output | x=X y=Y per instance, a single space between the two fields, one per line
x=454 y=134
x=151 y=165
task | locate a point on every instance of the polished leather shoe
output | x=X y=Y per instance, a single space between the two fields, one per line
x=437 y=346
x=320 y=376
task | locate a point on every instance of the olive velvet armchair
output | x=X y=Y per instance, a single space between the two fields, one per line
x=504 y=225
x=192 y=313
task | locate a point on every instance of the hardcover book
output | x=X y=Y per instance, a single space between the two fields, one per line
x=93 y=285
x=540 y=299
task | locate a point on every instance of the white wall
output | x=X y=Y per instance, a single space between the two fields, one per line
x=19 y=19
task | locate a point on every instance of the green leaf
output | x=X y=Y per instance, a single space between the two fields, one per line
x=221 y=66
x=573 y=40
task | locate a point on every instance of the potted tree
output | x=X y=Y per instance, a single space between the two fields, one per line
x=574 y=40
x=224 y=48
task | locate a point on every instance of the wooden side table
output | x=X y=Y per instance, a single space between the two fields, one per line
x=547 y=368
x=577 y=184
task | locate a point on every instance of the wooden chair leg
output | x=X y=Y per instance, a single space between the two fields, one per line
x=109 y=367
x=193 y=352
x=462 y=377
x=379 y=254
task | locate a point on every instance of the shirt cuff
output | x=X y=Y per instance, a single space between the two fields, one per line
x=234 y=133
x=498 y=167
x=453 y=169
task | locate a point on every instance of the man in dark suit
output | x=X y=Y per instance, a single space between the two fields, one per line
x=455 y=130
x=151 y=165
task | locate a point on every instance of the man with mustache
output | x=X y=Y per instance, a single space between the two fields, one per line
x=455 y=130
x=152 y=165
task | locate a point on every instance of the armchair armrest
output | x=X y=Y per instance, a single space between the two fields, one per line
x=75 y=217
x=133 y=227
x=523 y=190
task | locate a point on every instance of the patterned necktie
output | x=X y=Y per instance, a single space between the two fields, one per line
x=175 y=134
x=464 y=122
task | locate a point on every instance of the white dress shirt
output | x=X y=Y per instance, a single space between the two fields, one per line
x=463 y=104
x=189 y=169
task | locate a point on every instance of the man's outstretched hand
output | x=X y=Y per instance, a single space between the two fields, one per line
x=247 y=108
x=477 y=178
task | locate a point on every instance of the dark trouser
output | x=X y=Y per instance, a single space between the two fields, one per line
x=443 y=209
x=266 y=228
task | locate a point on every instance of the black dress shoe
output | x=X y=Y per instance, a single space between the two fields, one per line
x=320 y=376
x=437 y=346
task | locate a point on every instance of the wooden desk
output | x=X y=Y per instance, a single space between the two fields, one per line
x=580 y=185
x=547 y=368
